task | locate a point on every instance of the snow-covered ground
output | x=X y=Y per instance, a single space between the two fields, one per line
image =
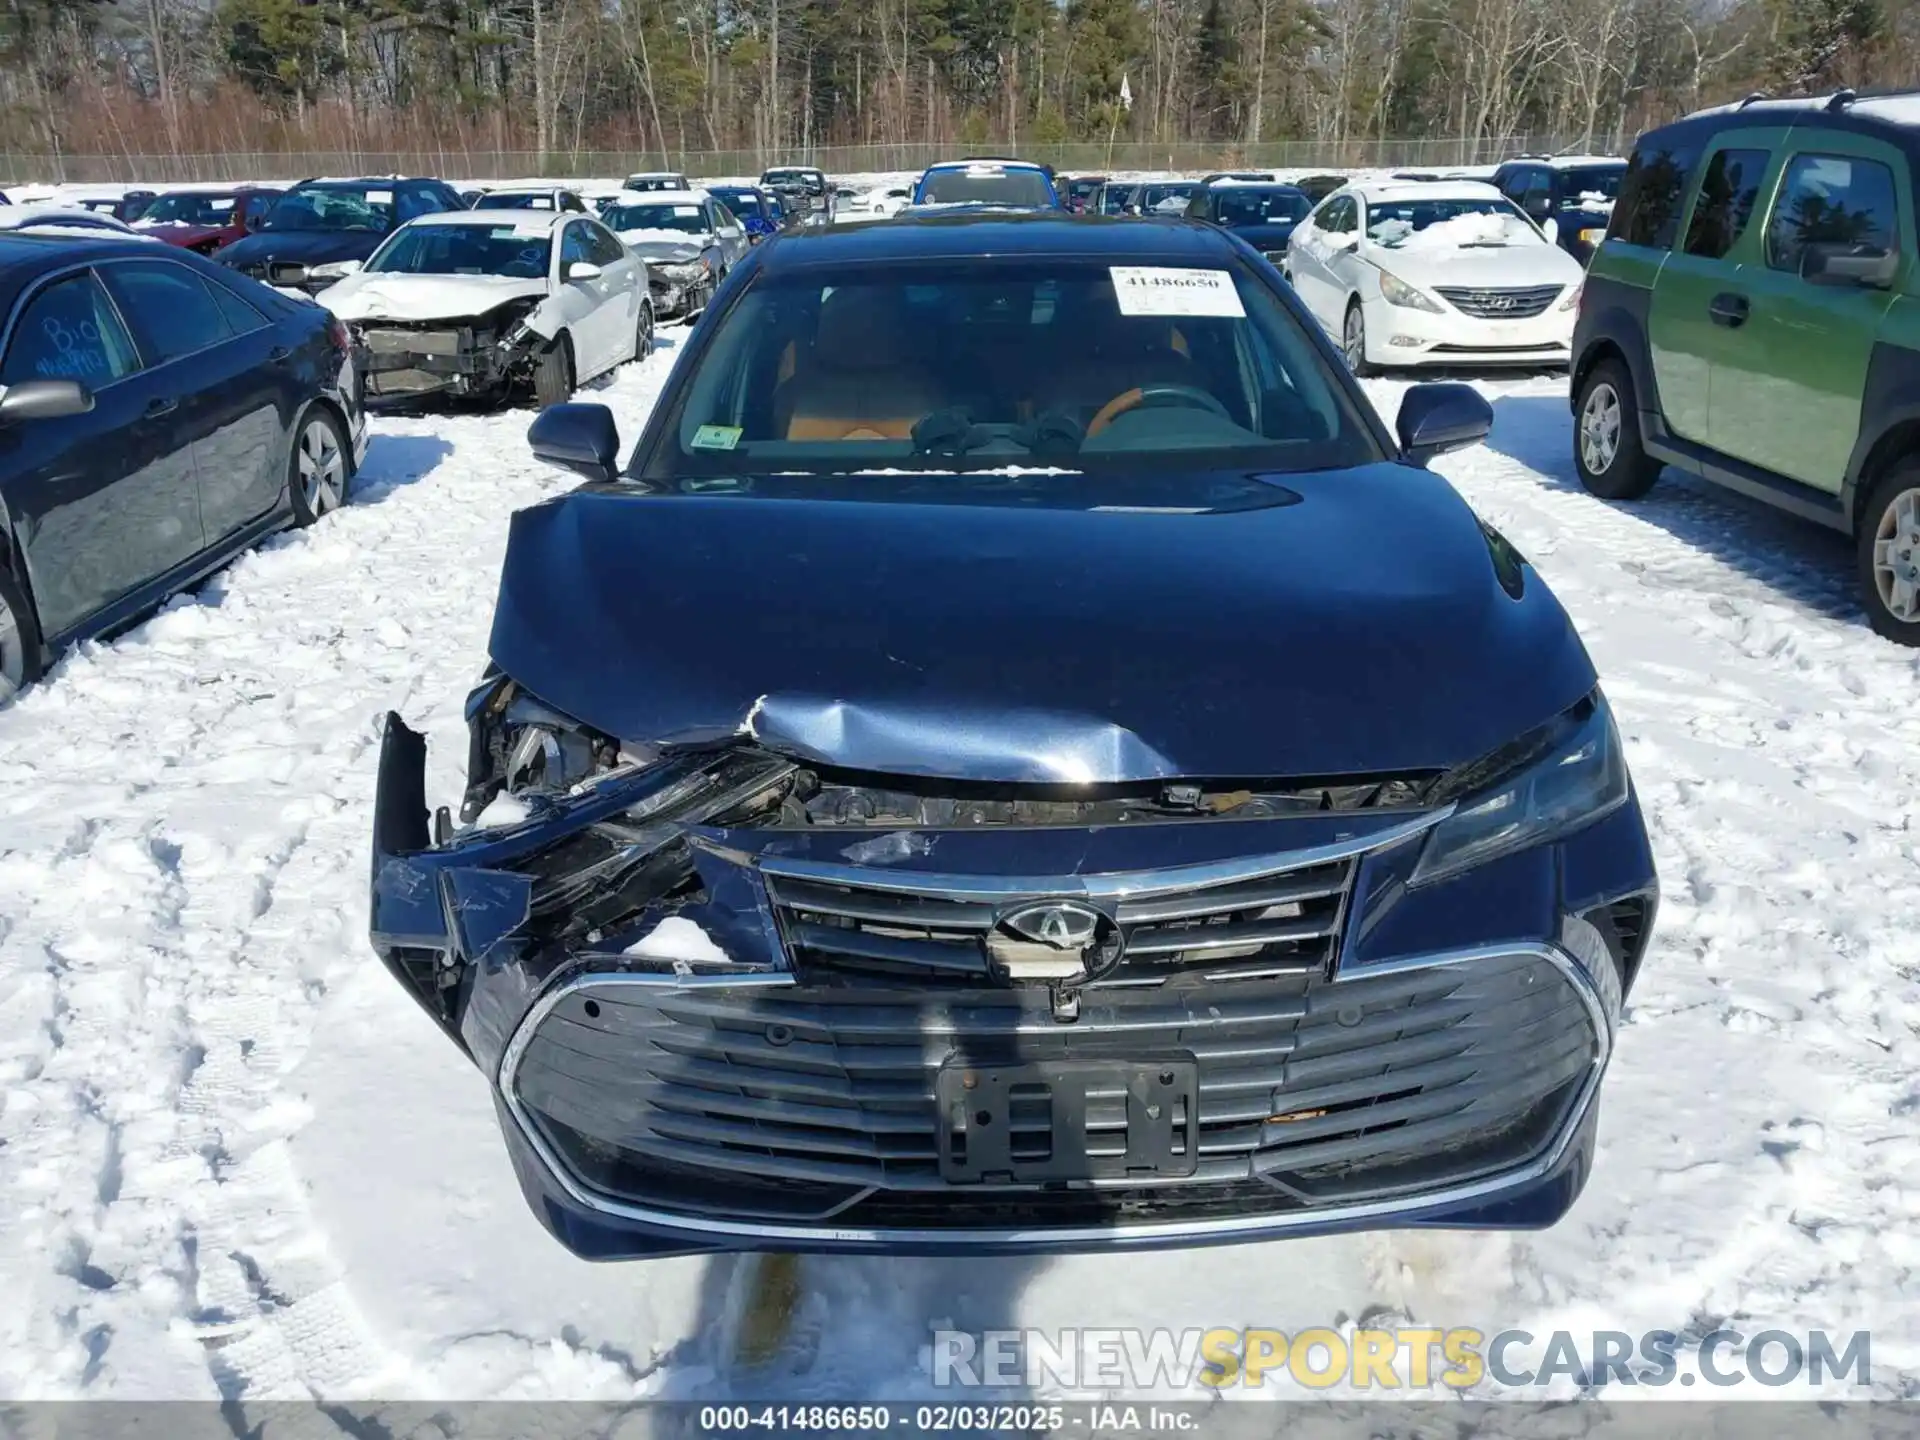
x=236 y=1161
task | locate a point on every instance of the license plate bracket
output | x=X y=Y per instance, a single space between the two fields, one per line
x=1062 y=1120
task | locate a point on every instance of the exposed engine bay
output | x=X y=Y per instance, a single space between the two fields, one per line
x=483 y=357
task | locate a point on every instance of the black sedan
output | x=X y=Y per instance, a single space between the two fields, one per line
x=319 y=230
x=158 y=414
x=1022 y=759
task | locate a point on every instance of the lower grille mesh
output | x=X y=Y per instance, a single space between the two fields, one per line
x=809 y=1102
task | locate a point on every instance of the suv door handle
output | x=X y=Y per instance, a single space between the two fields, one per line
x=162 y=405
x=1729 y=310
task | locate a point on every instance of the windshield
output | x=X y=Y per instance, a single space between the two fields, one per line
x=452 y=249
x=985 y=186
x=742 y=202
x=685 y=218
x=1449 y=224
x=1168 y=199
x=1590 y=183
x=646 y=184
x=524 y=200
x=332 y=207
x=181 y=208
x=811 y=181
x=1241 y=205
x=973 y=364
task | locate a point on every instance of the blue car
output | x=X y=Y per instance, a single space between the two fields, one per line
x=986 y=184
x=1021 y=759
x=1260 y=212
x=752 y=205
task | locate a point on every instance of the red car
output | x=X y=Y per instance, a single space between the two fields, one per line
x=206 y=218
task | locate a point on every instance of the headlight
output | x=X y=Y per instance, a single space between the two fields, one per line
x=1572 y=302
x=1592 y=236
x=1398 y=292
x=1564 y=775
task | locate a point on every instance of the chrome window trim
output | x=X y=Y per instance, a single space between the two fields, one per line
x=1243 y=1227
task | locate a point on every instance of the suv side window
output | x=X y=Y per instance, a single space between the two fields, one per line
x=70 y=331
x=1729 y=187
x=1651 y=194
x=1837 y=200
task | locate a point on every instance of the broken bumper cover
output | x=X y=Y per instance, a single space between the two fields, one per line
x=806 y=1076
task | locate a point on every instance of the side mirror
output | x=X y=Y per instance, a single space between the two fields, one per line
x=1441 y=416
x=1539 y=210
x=1550 y=227
x=1845 y=265
x=43 y=400
x=287 y=273
x=577 y=437
x=250 y=222
x=336 y=270
x=582 y=270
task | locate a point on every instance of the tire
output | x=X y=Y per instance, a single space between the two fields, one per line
x=1611 y=460
x=320 y=470
x=643 y=341
x=19 y=640
x=553 y=376
x=1889 y=554
x=1353 y=341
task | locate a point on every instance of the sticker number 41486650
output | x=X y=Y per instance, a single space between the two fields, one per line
x=1164 y=290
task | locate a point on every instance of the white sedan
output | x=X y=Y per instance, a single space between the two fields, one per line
x=489 y=303
x=1434 y=273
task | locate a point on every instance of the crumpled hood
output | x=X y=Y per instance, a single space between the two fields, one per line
x=665 y=247
x=424 y=297
x=301 y=247
x=1509 y=267
x=1363 y=629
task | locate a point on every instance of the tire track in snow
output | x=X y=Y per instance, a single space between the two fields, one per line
x=186 y=815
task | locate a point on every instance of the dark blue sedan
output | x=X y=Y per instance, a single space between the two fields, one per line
x=158 y=414
x=1021 y=758
x=1263 y=214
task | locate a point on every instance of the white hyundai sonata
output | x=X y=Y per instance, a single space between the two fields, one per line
x=1434 y=273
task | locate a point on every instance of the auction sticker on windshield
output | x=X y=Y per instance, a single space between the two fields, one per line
x=1163 y=290
x=716 y=437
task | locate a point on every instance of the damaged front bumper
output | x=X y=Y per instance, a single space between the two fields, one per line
x=709 y=1028
x=468 y=359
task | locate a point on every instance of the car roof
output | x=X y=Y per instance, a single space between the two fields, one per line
x=1370 y=191
x=480 y=215
x=1230 y=183
x=23 y=254
x=986 y=165
x=660 y=197
x=960 y=235
x=1892 y=115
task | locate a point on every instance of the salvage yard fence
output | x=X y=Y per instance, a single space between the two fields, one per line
x=463 y=164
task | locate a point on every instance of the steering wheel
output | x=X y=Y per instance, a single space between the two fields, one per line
x=1188 y=395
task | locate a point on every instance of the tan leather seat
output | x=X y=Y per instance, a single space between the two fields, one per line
x=858 y=382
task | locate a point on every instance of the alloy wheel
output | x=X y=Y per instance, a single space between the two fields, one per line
x=13 y=652
x=1354 y=340
x=1896 y=556
x=323 y=468
x=1600 y=428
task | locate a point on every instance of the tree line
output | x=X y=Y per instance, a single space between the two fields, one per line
x=785 y=77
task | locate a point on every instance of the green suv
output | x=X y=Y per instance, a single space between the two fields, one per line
x=1753 y=317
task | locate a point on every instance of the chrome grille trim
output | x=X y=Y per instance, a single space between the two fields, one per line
x=1485 y=302
x=828 y=1231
